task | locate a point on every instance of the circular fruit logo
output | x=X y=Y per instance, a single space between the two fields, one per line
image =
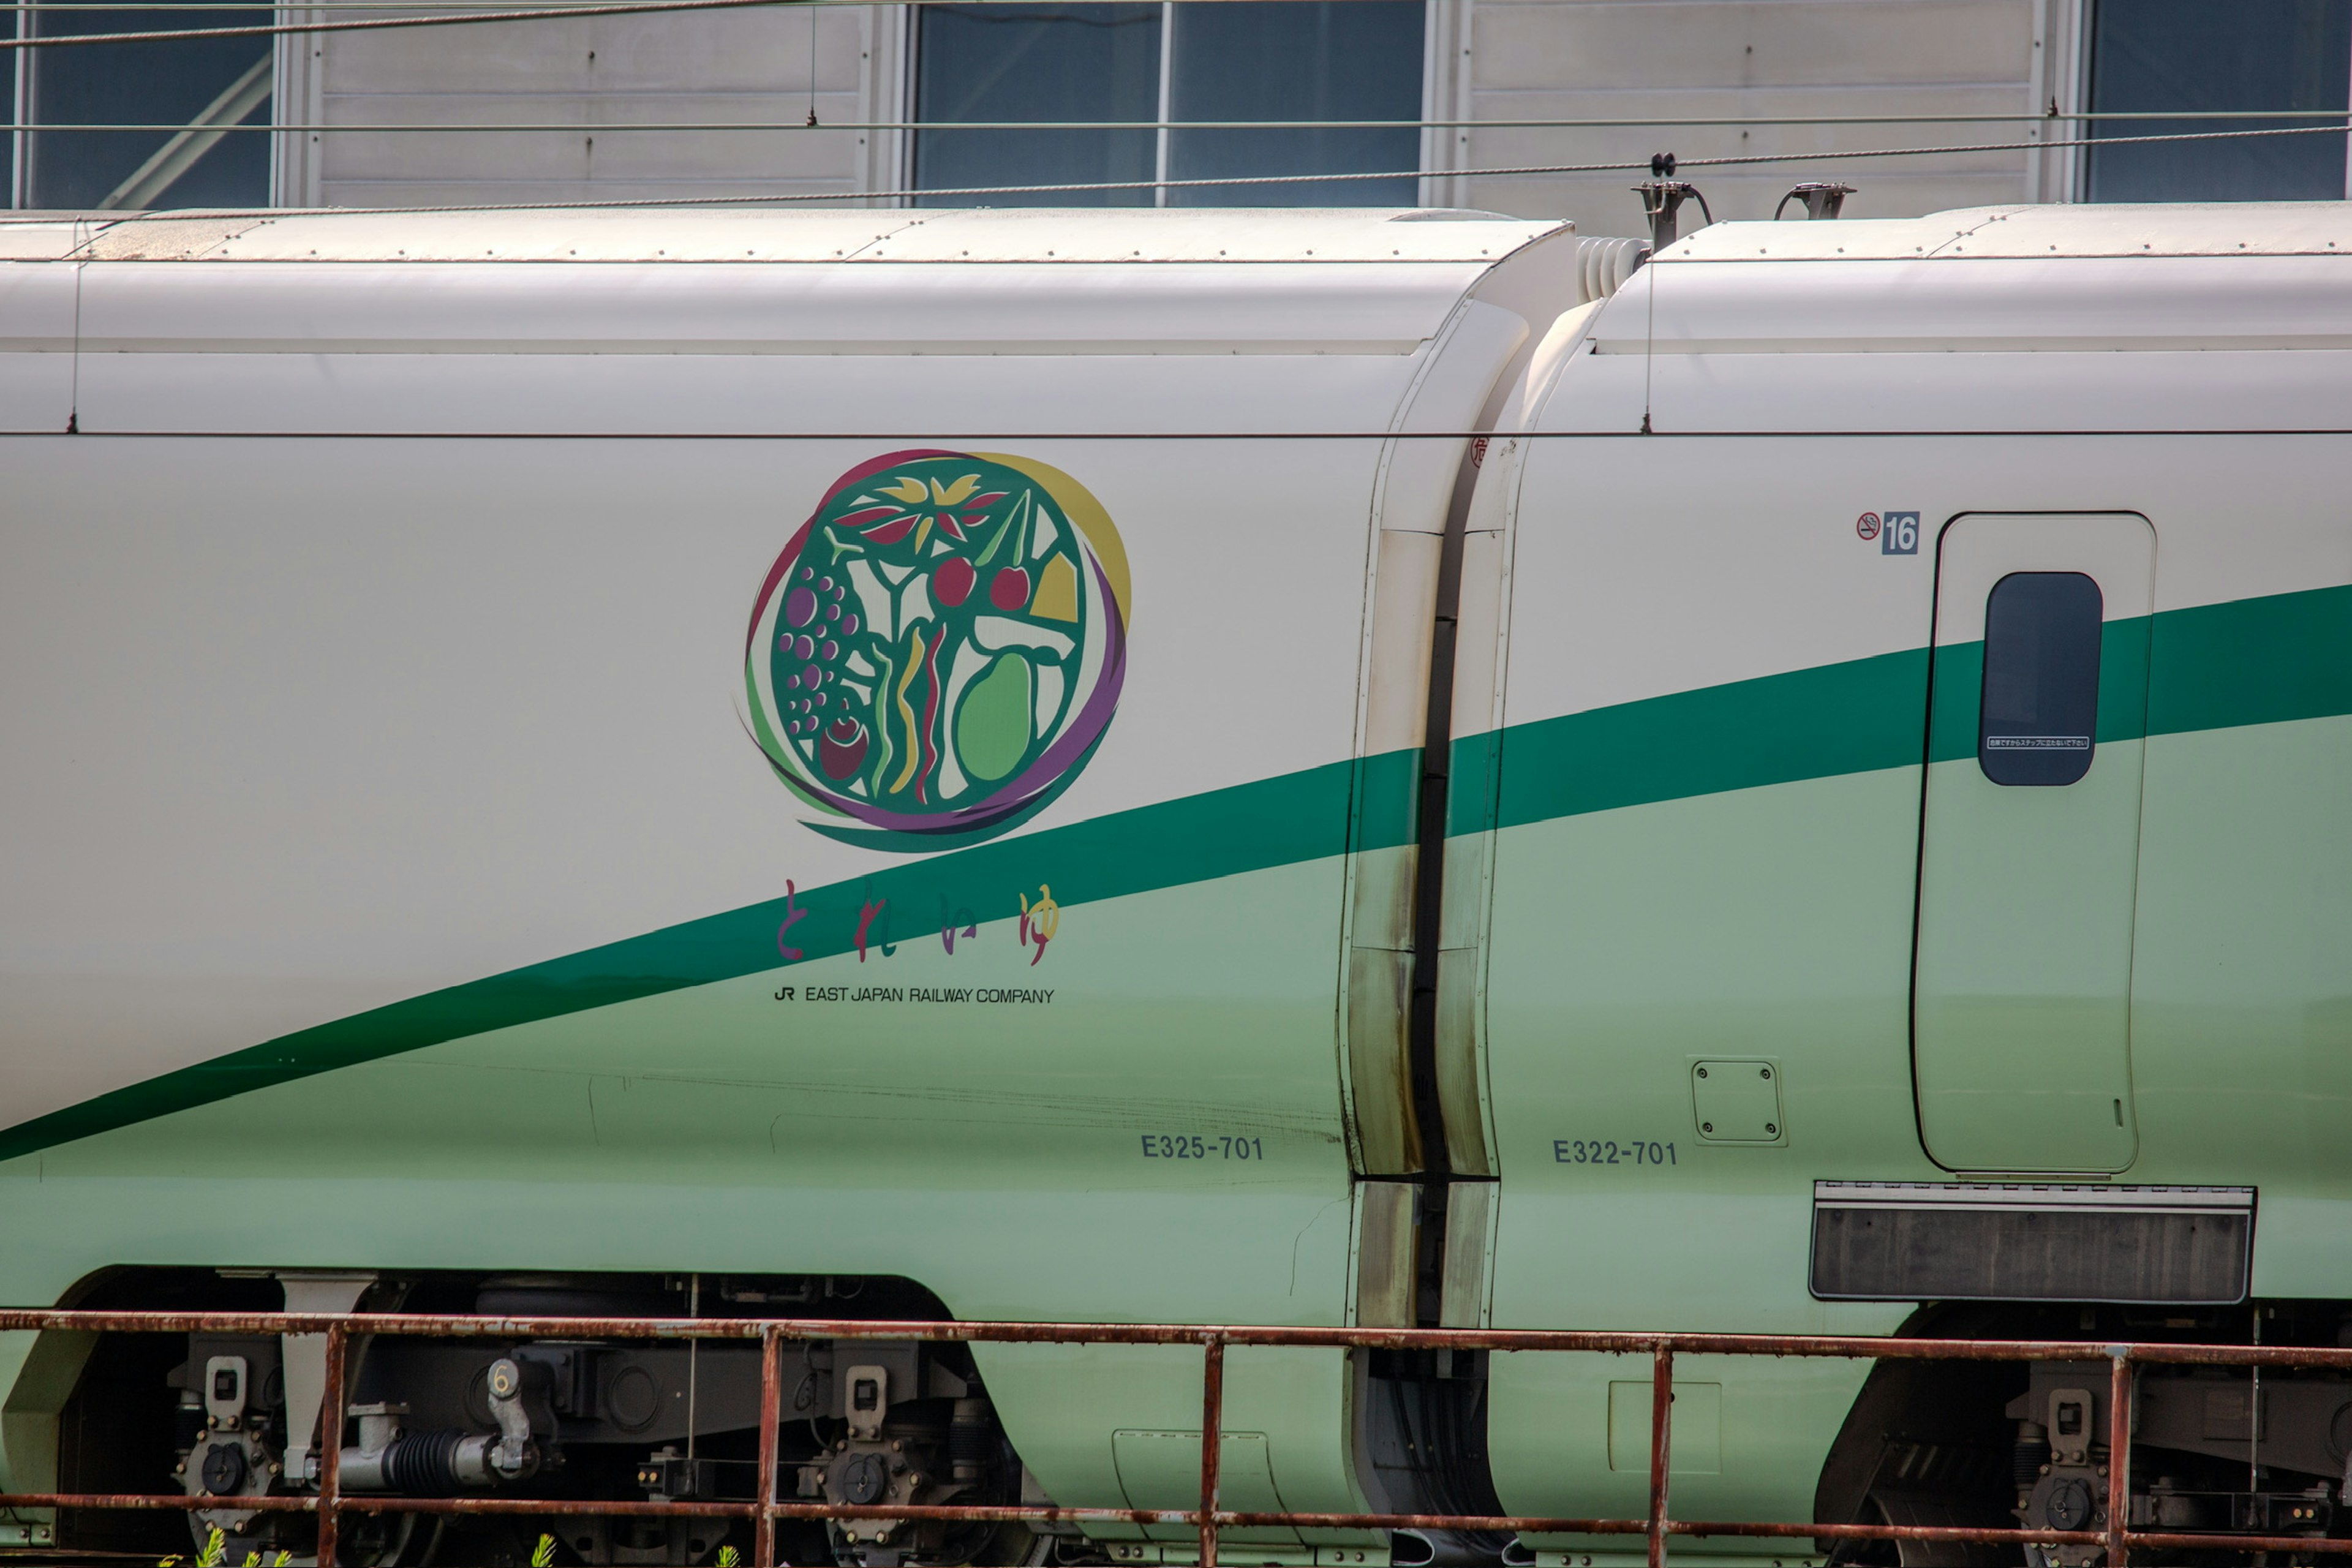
x=940 y=649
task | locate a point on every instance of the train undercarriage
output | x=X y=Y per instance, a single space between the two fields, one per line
x=2216 y=1450
x=869 y=1422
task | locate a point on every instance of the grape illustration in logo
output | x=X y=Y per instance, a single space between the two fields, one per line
x=938 y=650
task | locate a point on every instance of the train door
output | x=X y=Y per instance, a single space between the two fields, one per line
x=2030 y=842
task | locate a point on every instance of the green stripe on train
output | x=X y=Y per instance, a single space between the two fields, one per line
x=2216 y=667
x=1273 y=822
x=2248 y=662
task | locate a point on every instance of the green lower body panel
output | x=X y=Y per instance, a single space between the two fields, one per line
x=1144 y=1127
x=1747 y=1441
x=1772 y=928
x=2241 y=984
x=1751 y=931
x=1279 y=1433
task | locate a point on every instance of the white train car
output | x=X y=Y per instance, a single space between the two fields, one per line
x=1268 y=767
x=733 y=748
x=1901 y=751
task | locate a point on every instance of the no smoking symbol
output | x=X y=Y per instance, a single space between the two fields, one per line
x=1866 y=525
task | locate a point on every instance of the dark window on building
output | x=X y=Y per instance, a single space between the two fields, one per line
x=1001 y=62
x=2038 y=721
x=199 y=89
x=1296 y=59
x=2171 y=56
x=1171 y=66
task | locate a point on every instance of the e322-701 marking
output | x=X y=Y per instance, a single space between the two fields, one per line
x=1608 y=1152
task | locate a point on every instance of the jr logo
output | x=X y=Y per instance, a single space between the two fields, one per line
x=1900 y=536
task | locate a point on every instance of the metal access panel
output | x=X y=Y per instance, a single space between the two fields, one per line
x=1736 y=1101
x=1912 y=1241
x=2030 y=842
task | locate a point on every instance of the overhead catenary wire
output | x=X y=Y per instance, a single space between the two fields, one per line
x=2342 y=127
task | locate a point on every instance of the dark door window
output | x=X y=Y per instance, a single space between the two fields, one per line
x=2038 y=721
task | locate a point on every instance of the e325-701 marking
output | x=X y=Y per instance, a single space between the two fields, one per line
x=1196 y=1146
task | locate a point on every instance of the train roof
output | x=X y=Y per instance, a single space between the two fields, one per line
x=2235 y=317
x=2034 y=233
x=713 y=321
x=2019 y=318
x=1113 y=235
x=823 y=236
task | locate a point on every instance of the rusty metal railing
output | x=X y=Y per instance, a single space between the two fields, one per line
x=331 y=1504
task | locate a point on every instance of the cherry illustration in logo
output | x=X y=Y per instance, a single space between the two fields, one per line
x=951 y=583
x=841 y=749
x=1009 y=591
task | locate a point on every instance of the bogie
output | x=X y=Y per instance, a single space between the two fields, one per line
x=2027 y=1444
x=567 y=1419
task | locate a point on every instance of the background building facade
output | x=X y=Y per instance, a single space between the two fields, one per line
x=899 y=104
